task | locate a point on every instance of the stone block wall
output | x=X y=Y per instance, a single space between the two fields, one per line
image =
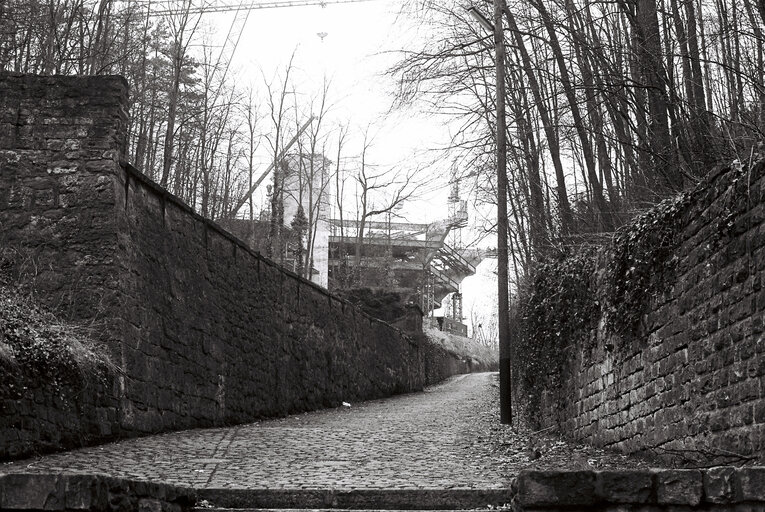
x=718 y=489
x=45 y=418
x=440 y=364
x=214 y=333
x=91 y=493
x=60 y=143
x=204 y=330
x=691 y=382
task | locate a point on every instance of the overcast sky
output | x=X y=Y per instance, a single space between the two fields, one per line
x=361 y=42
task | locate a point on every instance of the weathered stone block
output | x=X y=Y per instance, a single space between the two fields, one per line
x=759 y=411
x=751 y=484
x=629 y=486
x=31 y=492
x=561 y=488
x=719 y=485
x=85 y=492
x=679 y=487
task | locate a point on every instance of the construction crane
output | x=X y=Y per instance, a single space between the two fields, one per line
x=283 y=153
x=249 y=6
x=458 y=216
x=233 y=36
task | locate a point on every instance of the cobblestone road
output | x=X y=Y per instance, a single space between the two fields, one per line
x=421 y=440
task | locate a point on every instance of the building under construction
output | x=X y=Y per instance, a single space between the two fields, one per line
x=414 y=260
x=411 y=259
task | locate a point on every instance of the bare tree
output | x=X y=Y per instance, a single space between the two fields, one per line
x=182 y=27
x=252 y=117
x=379 y=191
x=276 y=101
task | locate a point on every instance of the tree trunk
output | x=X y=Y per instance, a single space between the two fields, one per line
x=552 y=138
x=648 y=54
x=604 y=209
x=167 y=156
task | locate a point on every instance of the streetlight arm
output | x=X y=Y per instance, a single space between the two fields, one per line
x=480 y=18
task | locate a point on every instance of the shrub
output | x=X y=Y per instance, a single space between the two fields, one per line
x=36 y=348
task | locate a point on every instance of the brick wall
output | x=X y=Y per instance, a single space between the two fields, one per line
x=204 y=330
x=693 y=376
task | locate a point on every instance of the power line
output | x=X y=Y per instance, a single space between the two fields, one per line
x=248 y=6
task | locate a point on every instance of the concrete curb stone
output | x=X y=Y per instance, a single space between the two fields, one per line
x=390 y=499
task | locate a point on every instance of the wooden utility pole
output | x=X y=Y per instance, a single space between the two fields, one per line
x=503 y=306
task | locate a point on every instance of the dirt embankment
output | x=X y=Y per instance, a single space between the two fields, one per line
x=466 y=348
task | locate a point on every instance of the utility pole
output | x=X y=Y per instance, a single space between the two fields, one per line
x=503 y=306
x=503 y=300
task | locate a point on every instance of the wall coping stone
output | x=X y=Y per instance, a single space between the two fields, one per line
x=95 y=492
x=679 y=487
x=683 y=487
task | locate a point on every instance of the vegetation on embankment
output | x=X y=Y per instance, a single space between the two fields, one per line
x=37 y=348
x=385 y=305
x=465 y=348
x=562 y=302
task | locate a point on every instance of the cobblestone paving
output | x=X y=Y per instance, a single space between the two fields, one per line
x=447 y=437
x=415 y=441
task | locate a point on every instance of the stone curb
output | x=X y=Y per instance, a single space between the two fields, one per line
x=209 y=509
x=22 y=491
x=358 y=499
x=671 y=487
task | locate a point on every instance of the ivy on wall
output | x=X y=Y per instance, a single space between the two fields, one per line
x=641 y=259
x=554 y=310
x=563 y=301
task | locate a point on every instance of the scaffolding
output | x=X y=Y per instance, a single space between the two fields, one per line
x=426 y=268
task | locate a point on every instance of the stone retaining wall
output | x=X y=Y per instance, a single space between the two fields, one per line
x=45 y=418
x=215 y=333
x=690 y=381
x=204 y=330
x=60 y=143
